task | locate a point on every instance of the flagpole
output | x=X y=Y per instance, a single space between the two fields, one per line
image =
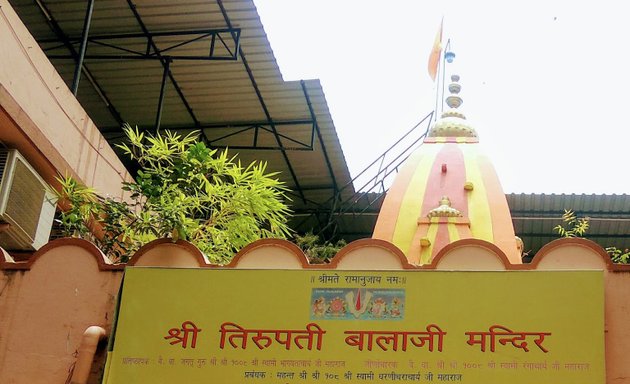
x=443 y=65
x=436 y=65
x=437 y=92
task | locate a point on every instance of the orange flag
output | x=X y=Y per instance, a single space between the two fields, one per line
x=436 y=52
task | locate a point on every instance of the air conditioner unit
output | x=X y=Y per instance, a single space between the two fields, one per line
x=25 y=203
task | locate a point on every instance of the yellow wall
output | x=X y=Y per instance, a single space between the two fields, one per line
x=49 y=301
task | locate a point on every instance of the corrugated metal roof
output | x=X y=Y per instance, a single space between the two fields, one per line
x=242 y=104
x=535 y=215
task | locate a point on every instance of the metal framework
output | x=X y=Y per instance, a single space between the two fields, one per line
x=165 y=64
x=63 y=38
x=220 y=43
x=257 y=127
x=238 y=129
x=116 y=46
x=371 y=192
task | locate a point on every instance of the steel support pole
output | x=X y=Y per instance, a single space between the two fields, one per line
x=84 y=38
x=158 y=117
x=163 y=60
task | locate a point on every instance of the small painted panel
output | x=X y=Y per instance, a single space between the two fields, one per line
x=357 y=304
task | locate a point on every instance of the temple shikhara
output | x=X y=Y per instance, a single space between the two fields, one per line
x=440 y=291
x=454 y=191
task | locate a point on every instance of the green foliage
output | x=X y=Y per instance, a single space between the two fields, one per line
x=573 y=226
x=86 y=215
x=185 y=190
x=317 y=252
x=119 y=240
x=619 y=256
x=577 y=227
x=80 y=206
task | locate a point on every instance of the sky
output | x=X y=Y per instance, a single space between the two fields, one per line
x=545 y=83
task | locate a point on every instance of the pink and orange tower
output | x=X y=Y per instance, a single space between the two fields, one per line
x=447 y=190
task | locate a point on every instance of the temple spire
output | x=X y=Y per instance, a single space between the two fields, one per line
x=447 y=191
x=453 y=122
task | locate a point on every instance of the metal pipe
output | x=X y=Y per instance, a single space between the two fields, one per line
x=448 y=46
x=84 y=38
x=85 y=357
x=158 y=117
x=113 y=36
x=319 y=135
x=163 y=60
x=140 y=56
x=52 y=23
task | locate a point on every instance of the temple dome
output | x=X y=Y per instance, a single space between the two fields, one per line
x=446 y=191
x=452 y=124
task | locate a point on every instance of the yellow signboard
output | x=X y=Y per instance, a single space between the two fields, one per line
x=314 y=326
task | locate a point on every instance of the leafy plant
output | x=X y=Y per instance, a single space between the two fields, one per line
x=119 y=239
x=185 y=190
x=619 y=256
x=577 y=227
x=79 y=206
x=573 y=226
x=316 y=251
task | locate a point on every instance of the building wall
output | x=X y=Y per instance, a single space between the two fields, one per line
x=41 y=118
x=48 y=302
x=46 y=305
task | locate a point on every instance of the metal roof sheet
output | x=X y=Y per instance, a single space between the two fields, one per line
x=535 y=215
x=241 y=104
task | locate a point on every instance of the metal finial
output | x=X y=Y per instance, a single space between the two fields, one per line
x=452 y=123
x=453 y=100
